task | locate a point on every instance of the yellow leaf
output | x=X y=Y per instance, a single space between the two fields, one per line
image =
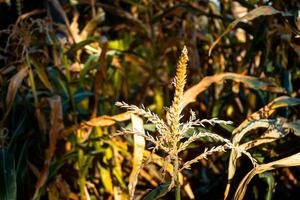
x=106 y=179
x=249 y=81
x=139 y=146
x=108 y=120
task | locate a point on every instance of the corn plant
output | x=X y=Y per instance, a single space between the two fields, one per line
x=172 y=134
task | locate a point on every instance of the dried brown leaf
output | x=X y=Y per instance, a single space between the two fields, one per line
x=108 y=120
x=249 y=81
x=15 y=83
x=57 y=126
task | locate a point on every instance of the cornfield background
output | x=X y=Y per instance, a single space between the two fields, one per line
x=65 y=64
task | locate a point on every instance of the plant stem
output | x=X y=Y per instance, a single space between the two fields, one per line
x=177 y=189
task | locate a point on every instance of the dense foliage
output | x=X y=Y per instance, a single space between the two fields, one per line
x=65 y=64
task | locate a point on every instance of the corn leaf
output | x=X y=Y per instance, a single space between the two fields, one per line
x=108 y=120
x=15 y=83
x=8 y=184
x=106 y=179
x=41 y=72
x=249 y=81
x=54 y=134
x=290 y=161
x=139 y=146
x=260 y=11
x=295 y=126
x=254 y=121
x=270 y=180
x=158 y=192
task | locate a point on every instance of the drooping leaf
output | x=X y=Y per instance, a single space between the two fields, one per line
x=264 y=113
x=249 y=81
x=257 y=120
x=92 y=25
x=260 y=11
x=15 y=83
x=290 y=161
x=273 y=133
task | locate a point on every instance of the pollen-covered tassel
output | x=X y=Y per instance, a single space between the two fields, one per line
x=173 y=116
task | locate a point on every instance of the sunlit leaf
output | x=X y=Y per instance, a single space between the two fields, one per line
x=122 y=44
x=257 y=120
x=249 y=81
x=139 y=146
x=80 y=45
x=41 y=72
x=108 y=120
x=106 y=179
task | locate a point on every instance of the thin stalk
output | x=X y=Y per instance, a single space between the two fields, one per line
x=81 y=170
x=38 y=113
x=177 y=189
x=177 y=183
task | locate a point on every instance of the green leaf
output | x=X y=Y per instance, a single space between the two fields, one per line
x=83 y=43
x=285 y=102
x=8 y=184
x=122 y=44
x=158 y=192
x=41 y=72
x=268 y=177
x=90 y=64
x=59 y=81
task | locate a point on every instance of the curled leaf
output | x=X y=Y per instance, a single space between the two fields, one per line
x=290 y=161
x=249 y=81
x=255 y=121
